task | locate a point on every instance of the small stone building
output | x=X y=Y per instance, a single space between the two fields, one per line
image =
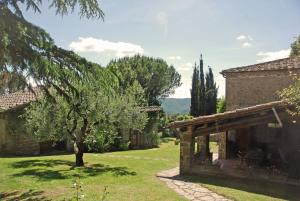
x=255 y=129
x=14 y=139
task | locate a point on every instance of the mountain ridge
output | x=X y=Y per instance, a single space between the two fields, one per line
x=176 y=105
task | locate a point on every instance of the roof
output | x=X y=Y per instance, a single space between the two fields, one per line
x=227 y=115
x=17 y=99
x=280 y=64
x=21 y=98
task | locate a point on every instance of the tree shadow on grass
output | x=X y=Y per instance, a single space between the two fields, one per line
x=42 y=163
x=96 y=169
x=276 y=190
x=45 y=170
x=30 y=195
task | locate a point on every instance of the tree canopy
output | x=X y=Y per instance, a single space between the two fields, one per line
x=157 y=78
x=291 y=94
x=80 y=98
x=295 y=47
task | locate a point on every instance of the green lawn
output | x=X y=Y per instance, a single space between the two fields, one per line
x=129 y=175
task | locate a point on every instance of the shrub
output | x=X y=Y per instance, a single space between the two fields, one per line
x=124 y=146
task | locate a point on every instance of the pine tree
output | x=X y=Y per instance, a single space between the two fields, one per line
x=202 y=98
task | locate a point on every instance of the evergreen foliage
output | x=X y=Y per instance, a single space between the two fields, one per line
x=203 y=92
x=195 y=92
x=11 y=82
x=157 y=78
x=211 y=93
x=202 y=95
x=81 y=100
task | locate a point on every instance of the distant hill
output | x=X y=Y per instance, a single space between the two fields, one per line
x=176 y=105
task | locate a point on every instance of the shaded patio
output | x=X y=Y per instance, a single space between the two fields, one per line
x=253 y=143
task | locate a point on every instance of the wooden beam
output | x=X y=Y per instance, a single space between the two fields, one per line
x=235 y=125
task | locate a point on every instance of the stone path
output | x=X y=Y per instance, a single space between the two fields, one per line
x=189 y=190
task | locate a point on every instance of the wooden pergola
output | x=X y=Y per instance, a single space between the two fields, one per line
x=272 y=113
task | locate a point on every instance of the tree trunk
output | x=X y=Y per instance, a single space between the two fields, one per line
x=79 y=145
x=78 y=148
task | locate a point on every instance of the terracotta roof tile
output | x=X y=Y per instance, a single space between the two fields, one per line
x=19 y=98
x=280 y=64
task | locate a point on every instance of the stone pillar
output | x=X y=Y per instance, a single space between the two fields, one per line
x=222 y=145
x=203 y=145
x=187 y=149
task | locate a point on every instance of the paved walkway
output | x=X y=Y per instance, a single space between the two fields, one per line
x=189 y=190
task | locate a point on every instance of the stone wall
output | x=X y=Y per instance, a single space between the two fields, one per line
x=14 y=139
x=244 y=89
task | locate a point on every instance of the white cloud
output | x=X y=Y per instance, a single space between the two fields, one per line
x=247 y=44
x=245 y=40
x=174 y=57
x=270 y=56
x=119 y=49
x=241 y=37
x=244 y=37
x=162 y=18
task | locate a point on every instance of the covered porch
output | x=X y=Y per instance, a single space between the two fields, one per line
x=254 y=142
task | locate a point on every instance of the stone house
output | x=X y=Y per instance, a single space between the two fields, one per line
x=14 y=140
x=255 y=130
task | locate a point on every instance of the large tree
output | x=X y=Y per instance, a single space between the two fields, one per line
x=93 y=117
x=157 y=78
x=74 y=90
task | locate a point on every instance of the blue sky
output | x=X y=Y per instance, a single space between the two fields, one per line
x=229 y=33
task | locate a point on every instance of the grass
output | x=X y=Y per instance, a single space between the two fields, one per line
x=129 y=176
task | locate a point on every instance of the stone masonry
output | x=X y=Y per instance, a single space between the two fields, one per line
x=244 y=89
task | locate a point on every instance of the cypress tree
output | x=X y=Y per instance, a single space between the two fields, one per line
x=194 y=110
x=201 y=89
x=211 y=93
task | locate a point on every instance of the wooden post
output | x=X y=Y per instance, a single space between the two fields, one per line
x=187 y=149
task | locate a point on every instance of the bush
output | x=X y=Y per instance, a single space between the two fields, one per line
x=99 y=143
x=153 y=139
x=124 y=146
